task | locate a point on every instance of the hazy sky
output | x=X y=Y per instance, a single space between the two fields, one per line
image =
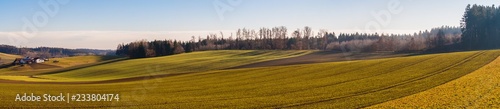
x=103 y=24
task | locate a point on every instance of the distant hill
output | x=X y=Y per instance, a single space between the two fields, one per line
x=52 y=51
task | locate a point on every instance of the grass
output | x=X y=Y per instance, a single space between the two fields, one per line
x=351 y=84
x=183 y=63
x=479 y=89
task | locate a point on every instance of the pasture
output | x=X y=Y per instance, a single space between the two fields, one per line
x=348 y=84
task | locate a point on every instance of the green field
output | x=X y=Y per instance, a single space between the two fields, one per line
x=183 y=63
x=479 y=89
x=350 y=84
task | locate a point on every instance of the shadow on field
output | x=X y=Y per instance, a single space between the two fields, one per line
x=324 y=56
x=104 y=60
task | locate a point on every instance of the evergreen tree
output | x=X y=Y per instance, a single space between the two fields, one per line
x=440 y=41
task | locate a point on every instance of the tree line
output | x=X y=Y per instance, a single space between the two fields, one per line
x=481 y=27
x=278 y=38
x=143 y=48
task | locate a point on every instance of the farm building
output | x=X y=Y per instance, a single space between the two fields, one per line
x=39 y=60
x=28 y=60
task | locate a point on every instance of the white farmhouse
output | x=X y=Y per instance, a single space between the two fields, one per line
x=39 y=61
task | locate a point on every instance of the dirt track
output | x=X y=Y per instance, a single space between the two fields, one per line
x=316 y=57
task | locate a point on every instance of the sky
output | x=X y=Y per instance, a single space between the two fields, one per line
x=103 y=24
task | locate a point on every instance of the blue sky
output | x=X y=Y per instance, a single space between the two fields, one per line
x=105 y=23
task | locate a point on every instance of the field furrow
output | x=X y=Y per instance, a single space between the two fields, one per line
x=392 y=85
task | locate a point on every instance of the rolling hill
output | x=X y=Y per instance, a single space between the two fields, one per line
x=349 y=84
x=7 y=58
x=167 y=65
x=50 y=66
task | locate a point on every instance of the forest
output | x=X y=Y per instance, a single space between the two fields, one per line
x=481 y=27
